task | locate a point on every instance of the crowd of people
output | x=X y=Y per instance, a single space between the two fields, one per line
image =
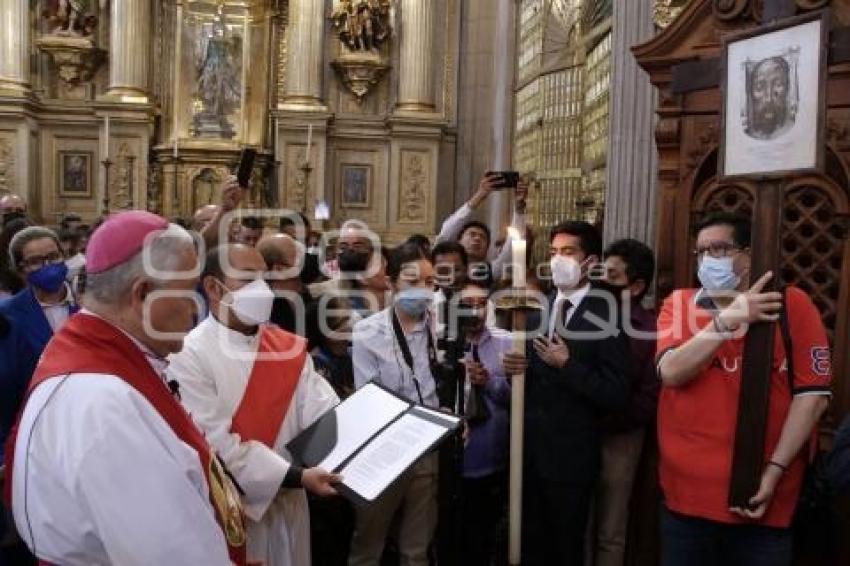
x=152 y=373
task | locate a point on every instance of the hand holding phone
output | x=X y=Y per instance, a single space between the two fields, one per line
x=246 y=166
x=508 y=179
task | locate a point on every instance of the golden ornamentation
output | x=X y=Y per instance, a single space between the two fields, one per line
x=665 y=11
x=296 y=181
x=76 y=60
x=414 y=186
x=283 y=41
x=449 y=76
x=7 y=166
x=359 y=72
x=363 y=28
x=120 y=189
x=362 y=25
x=226 y=501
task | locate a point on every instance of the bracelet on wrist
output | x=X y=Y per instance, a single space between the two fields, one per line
x=778 y=465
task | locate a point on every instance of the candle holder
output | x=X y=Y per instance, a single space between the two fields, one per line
x=306 y=169
x=107 y=163
x=274 y=192
x=175 y=199
x=131 y=160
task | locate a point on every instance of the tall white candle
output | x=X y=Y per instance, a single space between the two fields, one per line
x=309 y=141
x=276 y=135
x=519 y=248
x=174 y=154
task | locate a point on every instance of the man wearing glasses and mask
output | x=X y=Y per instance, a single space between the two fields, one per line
x=700 y=359
x=359 y=261
x=30 y=318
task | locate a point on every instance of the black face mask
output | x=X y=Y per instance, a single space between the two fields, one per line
x=9 y=216
x=616 y=290
x=351 y=261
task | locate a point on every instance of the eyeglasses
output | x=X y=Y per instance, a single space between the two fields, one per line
x=39 y=261
x=717 y=249
x=357 y=247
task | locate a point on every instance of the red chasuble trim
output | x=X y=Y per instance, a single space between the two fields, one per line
x=90 y=345
x=271 y=386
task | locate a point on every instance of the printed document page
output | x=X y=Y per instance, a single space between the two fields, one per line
x=359 y=418
x=390 y=454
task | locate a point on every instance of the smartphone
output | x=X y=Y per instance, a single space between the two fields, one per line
x=510 y=179
x=246 y=166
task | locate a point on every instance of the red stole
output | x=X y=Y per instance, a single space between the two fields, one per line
x=271 y=386
x=88 y=344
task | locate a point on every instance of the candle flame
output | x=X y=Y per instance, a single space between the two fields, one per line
x=513 y=233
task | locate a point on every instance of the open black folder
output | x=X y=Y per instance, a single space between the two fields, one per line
x=371 y=438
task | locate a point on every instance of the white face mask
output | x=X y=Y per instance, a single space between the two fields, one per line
x=252 y=304
x=566 y=272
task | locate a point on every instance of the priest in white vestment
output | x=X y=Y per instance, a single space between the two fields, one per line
x=108 y=467
x=251 y=406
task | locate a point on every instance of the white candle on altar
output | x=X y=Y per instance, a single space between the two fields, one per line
x=309 y=141
x=106 y=137
x=174 y=154
x=519 y=248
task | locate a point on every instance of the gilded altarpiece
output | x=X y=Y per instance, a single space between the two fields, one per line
x=214 y=87
x=163 y=95
x=561 y=127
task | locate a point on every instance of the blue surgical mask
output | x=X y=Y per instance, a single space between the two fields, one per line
x=414 y=301
x=49 y=278
x=716 y=274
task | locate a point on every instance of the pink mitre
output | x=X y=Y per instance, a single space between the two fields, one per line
x=121 y=237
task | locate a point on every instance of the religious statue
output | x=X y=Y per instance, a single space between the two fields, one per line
x=362 y=25
x=71 y=17
x=219 y=88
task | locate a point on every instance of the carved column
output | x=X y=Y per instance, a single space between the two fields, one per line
x=304 y=54
x=630 y=198
x=129 y=41
x=416 y=63
x=14 y=47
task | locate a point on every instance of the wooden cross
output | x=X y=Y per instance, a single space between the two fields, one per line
x=748 y=456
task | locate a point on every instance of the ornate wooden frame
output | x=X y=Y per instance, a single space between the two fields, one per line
x=823 y=16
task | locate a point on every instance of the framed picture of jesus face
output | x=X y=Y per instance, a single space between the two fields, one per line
x=773 y=98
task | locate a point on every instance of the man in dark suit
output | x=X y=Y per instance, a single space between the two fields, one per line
x=576 y=370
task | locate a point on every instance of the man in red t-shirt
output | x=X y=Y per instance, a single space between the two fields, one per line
x=700 y=359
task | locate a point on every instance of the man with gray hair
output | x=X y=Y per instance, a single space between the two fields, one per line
x=29 y=318
x=104 y=465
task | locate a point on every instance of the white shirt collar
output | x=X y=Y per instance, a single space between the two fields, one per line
x=233 y=337
x=575 y=296
x=67 y=300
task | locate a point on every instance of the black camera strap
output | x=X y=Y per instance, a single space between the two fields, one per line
x=405 y=350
